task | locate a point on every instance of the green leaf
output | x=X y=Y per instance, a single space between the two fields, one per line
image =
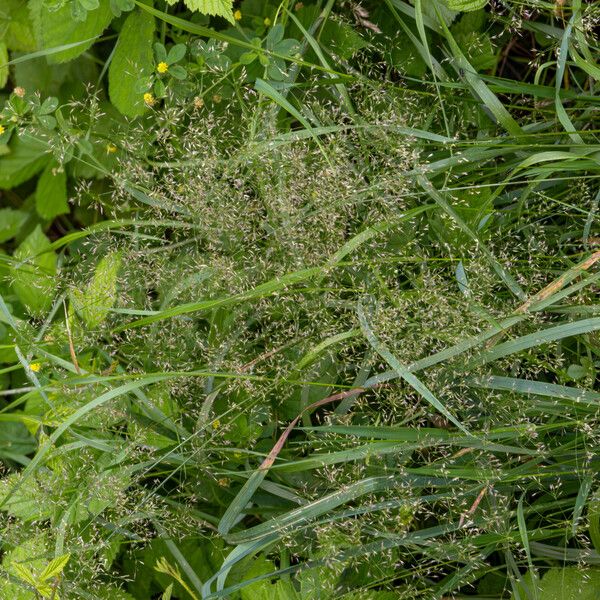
x=3 y=64
x=34 y=271
x=565 y=584
x=219 y=8
x=30 y=502
x=132 y=61
x=176 y=53
x=466 y=5
x=55 y=567
x=11 y=222
x=94 y=303
x=27 y=156
x=25 y=574
x=16 y=26
x=57 y=27
x=178 y=72
x=51 y=192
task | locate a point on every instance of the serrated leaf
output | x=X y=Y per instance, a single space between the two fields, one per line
x=95 y=302
x=30 y=502
x=33 y=273
x=11 y=222
x=51 y=192
x=16 y=26
x=58 y=28
x=24 y=573
x=466 y=5
x=218 y=8
x=564 y=584
x=132 y=62
x=55 y=567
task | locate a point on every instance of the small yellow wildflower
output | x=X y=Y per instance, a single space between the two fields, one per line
x=35 y=367
x=110 y=148
x=237 y=15
x=217 y=98
x=162 y=67
x=216 y=424
x=19 y=91
x=223 y=482
x=149 y=99
x=2 y=129
x=267 y=21
x=198 y=102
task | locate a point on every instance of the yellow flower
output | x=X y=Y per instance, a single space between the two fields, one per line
x=198 y=102
x=267 y=21
x=2 y=129
x=162 y=67
x=237 y=15
x=111 y=148
x=35 y=367
x=216 y=424
x=149 y=99
x=217 y=98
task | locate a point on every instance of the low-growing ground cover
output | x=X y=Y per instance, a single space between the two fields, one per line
x=298 y=300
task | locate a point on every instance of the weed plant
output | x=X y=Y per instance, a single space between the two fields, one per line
x=319 y=320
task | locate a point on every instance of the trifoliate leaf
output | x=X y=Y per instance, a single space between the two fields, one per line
x=132 y=61
x=218 y=8
x=58 y=28
x=466 y=5
x=33 y=273
x=51 y=192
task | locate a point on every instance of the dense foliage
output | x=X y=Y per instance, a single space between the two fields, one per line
x=298 y=299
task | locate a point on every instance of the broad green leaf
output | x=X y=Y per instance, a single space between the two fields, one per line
x=27 y=156
x=34 y=271
x=132 y=60
x=219 y=8
x=30 y=502
x=564 y=584
x=51 y=192
x=94 y=303
x=11 y=222
x=29 y=554
x=24 y=573
x=15 y=26
x=54 y=567
x=57 y=28
x=466 y=5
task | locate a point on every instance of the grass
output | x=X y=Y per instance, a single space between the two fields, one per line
x=337 y=338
